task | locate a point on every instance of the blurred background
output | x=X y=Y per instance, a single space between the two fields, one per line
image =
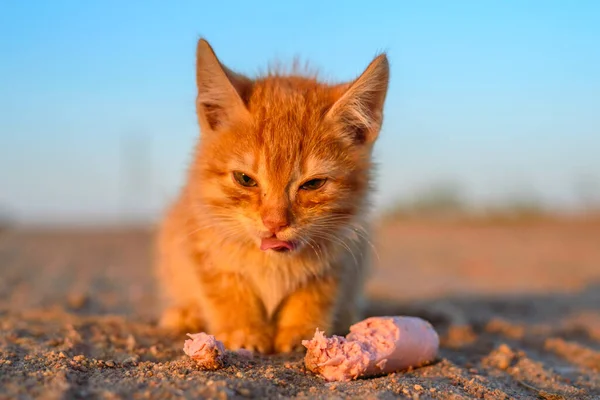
x=491 y=117
x=491 y=105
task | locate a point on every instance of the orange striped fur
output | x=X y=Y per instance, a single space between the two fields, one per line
x=280 y=130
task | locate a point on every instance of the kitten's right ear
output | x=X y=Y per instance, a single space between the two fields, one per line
x=360 y=107
x=222 y=93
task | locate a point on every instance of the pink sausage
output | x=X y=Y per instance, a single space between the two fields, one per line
x=207 y=351
x=377 y=345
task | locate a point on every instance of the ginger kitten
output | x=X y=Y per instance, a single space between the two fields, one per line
x=269 y=237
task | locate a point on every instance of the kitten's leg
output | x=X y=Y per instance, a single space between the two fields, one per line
x=308 y=308
x=178 y=289
x=179 y=293
x=234 y=314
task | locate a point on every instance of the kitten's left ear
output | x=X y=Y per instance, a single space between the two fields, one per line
x=360 y=107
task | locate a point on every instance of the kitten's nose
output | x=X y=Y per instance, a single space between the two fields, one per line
x=275 y=222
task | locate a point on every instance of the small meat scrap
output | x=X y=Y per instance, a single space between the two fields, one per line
x=205 y=350
x=376 y=345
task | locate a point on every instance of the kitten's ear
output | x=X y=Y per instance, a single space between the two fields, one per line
x=360 y=106
x=222 y=93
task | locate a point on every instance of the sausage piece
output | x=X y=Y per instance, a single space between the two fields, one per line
x=207 y=351
x=376 y=345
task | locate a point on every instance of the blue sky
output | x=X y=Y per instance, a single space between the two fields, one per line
x=502 y=97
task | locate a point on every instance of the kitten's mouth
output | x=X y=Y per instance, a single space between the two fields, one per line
x=276 y=245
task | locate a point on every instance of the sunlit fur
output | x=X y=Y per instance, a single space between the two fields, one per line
x=281 y=130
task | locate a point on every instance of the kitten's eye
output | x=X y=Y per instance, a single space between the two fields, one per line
x=313 y=184
x=244 y=179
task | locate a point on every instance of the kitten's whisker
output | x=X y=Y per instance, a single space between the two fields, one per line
x=355 y=241
x=335 y=239
x=320 y=248
x=362 y=233
x=214 y=216
x=315 y=249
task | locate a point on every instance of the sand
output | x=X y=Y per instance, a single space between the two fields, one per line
x=517 y=308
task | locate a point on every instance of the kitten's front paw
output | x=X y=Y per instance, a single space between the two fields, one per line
x=290 y=338
x=252 y=338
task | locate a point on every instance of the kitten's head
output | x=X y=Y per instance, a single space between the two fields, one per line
x=284 y=161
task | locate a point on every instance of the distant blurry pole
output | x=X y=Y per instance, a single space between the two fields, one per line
x=135 y=176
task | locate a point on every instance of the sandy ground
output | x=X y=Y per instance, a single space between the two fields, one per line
x=517 y=308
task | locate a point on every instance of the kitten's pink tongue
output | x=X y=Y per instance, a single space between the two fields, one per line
x=275 y=244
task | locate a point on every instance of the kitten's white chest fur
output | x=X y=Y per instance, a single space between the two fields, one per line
x=277 y=277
